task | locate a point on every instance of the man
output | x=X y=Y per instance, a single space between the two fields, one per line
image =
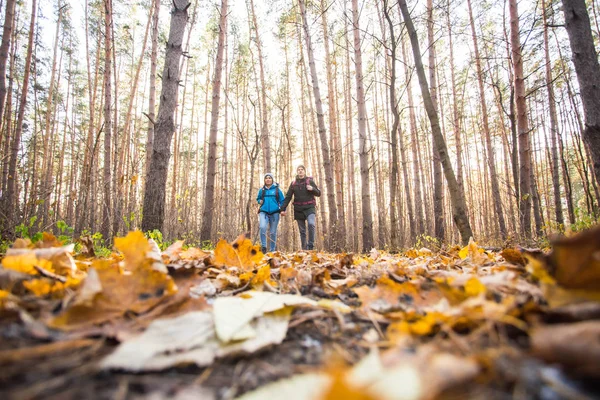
x=270 y=198
x=304 y=190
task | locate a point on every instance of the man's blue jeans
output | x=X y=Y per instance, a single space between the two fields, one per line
x=311 y=232
x=268 y=221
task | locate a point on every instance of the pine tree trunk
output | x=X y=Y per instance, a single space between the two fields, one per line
x=7 y=32
x=394 y=141
x=438 y=190
x=336 y=148
x=329 y=184
x=414 y=149
x=458 y=202
x=156 y=179
x=522 y=123
x=499 y=214
x=46 y=175
x=367 y=222
x=587 y=68
x=11 y=198
x=264 y=124
x=209 y=190
x=560 y=220
x=106 y=206
x=152 y=94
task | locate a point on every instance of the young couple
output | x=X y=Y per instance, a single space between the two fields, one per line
x=272 y=203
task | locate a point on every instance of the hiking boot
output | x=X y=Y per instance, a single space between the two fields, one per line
x=263 y=250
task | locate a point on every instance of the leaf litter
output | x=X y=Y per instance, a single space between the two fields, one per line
x=235 y=323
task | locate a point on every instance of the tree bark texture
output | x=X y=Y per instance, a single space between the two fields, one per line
x=459 y=207
x=329 y=184
x=10 y=203
x=211 y=170
x=491 y=162
x=585 y=58
x=156 y=178
x=558 y=211
x=367 y=223
x=522 y=123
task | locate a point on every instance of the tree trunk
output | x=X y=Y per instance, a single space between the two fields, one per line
x=438 y=190
x=106 y=206
x=367 y=223
x=156 y=179
x=459 y=206
x=11 y=200
x=414 y=148
x=585 y=59
x=394 y=141
x=336 y=147
x=456 y=126
x=499 y=214
x=152 y=94
x=522 y=123
x=332 y=243
x=560 y=220
x=7 y=32
x=209 y=190
x=264 y=125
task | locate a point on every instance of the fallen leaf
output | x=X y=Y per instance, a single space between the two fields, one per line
x=575 y=261
x=233 y=314
x=576 y=346
x=239 y=254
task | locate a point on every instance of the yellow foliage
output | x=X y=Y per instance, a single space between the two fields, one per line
x=43 y=286
x=134 y=247
x=22 y=263
x=474 y=287
x=239 y=254
x=262 y=275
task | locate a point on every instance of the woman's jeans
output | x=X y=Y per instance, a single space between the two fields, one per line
x=311 y=232
x=271 y=221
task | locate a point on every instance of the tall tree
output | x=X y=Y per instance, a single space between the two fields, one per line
x=585 y=58
x=522 y=122
x=211 y=170
x=459 y=206
x=107 y=201
x=438 y=190
x=491 y=162
x=329 y=184
x=336 y=150
x=367 y=216
x=553 y=123
x=9 y=16
x=11 y=201
x=264 y=123
x=152 y=94
x=156 y=178
x=394 y=137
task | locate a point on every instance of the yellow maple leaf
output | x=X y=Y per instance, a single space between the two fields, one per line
x=134 y=247
x=135 y=292
x=262 y=275
x=239 y=254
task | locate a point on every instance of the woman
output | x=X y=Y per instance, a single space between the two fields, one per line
x=303 y=189
x=270 y=198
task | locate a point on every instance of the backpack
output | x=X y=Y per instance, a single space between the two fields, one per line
x=262 y=196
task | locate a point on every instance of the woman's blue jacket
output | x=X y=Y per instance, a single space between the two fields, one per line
x=273 y=199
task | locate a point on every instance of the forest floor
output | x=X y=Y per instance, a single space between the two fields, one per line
x=183 y=323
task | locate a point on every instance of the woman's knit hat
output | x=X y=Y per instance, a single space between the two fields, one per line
x=301 y=166
x=269 y=174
